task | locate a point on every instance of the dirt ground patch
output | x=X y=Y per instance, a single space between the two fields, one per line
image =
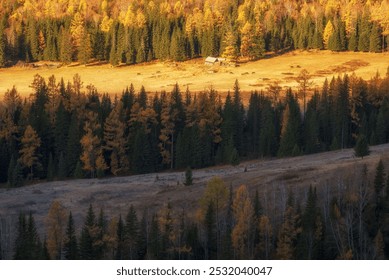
x=157 y=76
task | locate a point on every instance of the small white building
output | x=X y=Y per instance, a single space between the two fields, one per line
x=211 y=60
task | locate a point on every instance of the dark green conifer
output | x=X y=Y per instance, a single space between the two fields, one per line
x=361 y=149
x=70 y=243
x=188 y=177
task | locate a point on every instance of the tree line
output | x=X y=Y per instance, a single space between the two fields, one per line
x=346 y=219
x=141 y=31
x=64 y=130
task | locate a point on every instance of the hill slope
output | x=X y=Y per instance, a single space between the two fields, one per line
x=158 y=76
x=151 y=191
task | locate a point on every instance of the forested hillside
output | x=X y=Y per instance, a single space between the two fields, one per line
x=138 y=31
x=72 y=131
x=344 y=217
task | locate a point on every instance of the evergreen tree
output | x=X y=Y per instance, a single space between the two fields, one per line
x=291 y=126
x=188 y=177
x=27 y=243
x=379 y=183
x=364 y=35
x=382 y=125
x=131 y=235
x=2 y=44
x=89 y=236
x=73 y=147
x=50 y=168
x=210 y=229
x=70 y=247
x=361 y=148
x=65 y=49
x=85 y=49
x=120 y=240
x=375 y=39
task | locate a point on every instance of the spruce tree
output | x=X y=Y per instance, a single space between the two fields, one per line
x=131 y=235
x=89 y=236
x=361 y=148
x=50 y=168
x=188 y=177
x=120 y=240
x=291 y=127
x=379 y=182
x=70 y=243
x=375 y=39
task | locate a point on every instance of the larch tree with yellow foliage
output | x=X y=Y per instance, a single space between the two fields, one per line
x=92 y=152
x=115 y=141
x=29 y=155
x=328 y=31
x=56 y=224
x=242 y=239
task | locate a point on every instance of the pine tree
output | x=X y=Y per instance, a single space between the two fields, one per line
x=65 y=49
x=119 y=255
x=73 y=147
x=210 y=232
x=85 y=49
x=291 y=126
x=50 y=168
x=364 y=35
x=375 y=39
x=131 y=235
x=361 y=148
x=70 y=246
x=379 y=183
x=188 y=177
x=27 y=243
x=89 y=236
x=382 y=125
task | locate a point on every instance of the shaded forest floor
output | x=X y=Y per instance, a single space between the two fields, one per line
x=157 y=76
x=151 y=191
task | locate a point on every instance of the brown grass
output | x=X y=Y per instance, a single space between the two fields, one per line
x=158 y=76
x=152 y=191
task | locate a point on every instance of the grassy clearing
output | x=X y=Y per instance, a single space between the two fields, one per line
x=158 y=76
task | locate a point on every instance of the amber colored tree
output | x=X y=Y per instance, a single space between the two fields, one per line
x=328 y=31
x=265 y=237
x=92 y=152
x=56 y=224
x=242 y=232
x=166 y=146
x=115 y=141
x=287 y=236
x=29 y=156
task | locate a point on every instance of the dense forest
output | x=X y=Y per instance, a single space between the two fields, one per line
x=137 y=31
x=347 y=219
x=67 y=130
x=64 y=130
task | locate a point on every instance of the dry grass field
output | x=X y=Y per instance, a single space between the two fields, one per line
x=158 y=76
x=271 y=177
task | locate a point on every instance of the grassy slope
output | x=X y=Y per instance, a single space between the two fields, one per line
x=271 y=177
x=157 y=76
